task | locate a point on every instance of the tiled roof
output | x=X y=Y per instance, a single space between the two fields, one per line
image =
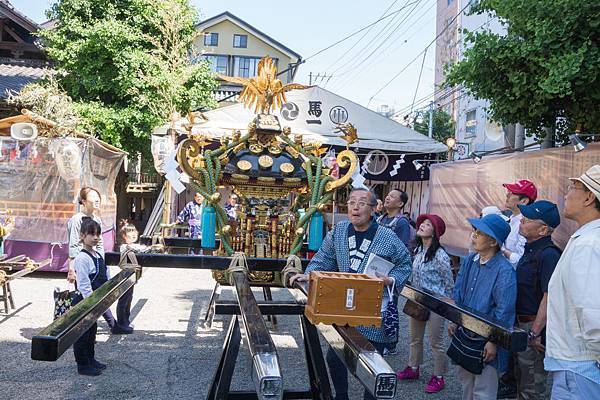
x=14 y=77
x=7 y=9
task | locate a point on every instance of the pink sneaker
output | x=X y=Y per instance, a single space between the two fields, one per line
x=408 y=373
x=435 y=384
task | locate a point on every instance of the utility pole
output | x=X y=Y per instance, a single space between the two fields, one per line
x=317 y=76
x=431 y=119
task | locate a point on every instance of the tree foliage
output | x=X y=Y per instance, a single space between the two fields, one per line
x=544 y=71
x=48 y=100
x=126 y=64
x=443 y=126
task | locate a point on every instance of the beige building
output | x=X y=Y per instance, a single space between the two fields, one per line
x=234 y=47
x=446 y=52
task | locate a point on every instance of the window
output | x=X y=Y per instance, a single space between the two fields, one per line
x=245 y=67
x=218 y=64
x=471 y=123
x=240 y=41
x=211 y=39
x=450 y=2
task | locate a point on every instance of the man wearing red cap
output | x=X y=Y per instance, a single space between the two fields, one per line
x=522 y=192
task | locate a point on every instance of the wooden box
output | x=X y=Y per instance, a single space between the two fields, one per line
x=344 y=299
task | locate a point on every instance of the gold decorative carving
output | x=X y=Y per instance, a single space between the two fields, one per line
x=189 y=157
x=261 y=276
x=350 y=134
x=265 y=161
x=293 y=152
x=344 y=159
x=244 y=165
x=265 y=179
x=286 y=168
x=263 y=92
x=255 y=148
x=275 y=150
x=240 y=177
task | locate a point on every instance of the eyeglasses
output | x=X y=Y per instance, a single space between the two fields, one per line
x=573 y=187
x=359 y=204
x=526 y=220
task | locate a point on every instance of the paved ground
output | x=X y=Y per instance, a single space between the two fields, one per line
x=170 y=355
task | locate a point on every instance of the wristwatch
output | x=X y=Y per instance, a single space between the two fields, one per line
x=531 y=335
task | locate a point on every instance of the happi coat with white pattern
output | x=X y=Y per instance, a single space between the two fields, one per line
x=334 y=256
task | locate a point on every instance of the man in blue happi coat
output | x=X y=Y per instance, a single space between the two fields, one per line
x=192 y=213
x=346 y=248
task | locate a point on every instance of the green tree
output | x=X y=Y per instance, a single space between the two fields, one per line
x=443 y=126
x=544 y=71
x=127 y=65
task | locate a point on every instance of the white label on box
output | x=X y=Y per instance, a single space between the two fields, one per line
x=350 y=299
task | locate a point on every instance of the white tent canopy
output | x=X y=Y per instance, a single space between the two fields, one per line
x=314 y=113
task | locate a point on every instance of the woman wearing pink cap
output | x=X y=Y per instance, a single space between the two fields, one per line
x=431 y=271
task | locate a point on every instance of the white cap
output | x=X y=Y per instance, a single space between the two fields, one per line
x=591 y=179
x=491 y=210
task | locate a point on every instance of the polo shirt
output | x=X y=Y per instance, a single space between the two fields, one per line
x=531 y=284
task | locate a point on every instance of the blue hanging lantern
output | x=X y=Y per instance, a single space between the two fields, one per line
x=315 y=232
x=209 y=227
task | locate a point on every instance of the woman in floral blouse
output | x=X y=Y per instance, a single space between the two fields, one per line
x=431 y=271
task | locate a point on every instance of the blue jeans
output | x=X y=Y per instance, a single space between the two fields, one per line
x=567 y=385
x=339 y=373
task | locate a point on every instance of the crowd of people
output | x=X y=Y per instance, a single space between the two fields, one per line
x=514 y=274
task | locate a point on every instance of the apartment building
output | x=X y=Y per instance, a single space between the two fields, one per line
x=475 y=131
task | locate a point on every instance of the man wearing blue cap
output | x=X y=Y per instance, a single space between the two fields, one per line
x=533 y=274
x=486 y=282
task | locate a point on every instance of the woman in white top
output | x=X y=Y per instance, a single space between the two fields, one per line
x=89 y=199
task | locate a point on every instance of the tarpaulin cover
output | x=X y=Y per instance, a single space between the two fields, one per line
x=315 y=113
x=42 y=201
x=461 y=189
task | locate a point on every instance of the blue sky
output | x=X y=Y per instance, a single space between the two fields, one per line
x=310 y=25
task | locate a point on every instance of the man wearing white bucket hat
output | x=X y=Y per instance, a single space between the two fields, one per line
x=573 y=328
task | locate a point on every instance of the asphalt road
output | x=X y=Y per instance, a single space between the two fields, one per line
x=171 y=355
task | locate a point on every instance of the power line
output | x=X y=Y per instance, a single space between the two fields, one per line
x=353 y=34
x=381 y=32
x=407 y=28
x=360 y=39
x=418 y=55
x=382 y=51
x=354 y=69
x=418 y=81
x=426 y=98
x=436 y=92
